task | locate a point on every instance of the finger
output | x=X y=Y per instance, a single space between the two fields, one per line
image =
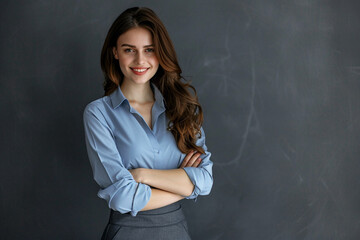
x=193 y=159
x=197 y=162
x=187 y=158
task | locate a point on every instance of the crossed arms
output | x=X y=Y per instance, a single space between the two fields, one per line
x=141 y=189
x=168 y=186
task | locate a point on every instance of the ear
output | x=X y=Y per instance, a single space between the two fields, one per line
x=115 y=53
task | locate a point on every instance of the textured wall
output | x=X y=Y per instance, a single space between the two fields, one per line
x=279 y=82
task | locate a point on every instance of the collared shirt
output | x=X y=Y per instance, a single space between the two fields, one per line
x=118 y=139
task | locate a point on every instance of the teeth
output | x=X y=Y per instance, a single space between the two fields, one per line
x=139 y=70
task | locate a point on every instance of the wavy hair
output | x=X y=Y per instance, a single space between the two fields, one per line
x=182 y=107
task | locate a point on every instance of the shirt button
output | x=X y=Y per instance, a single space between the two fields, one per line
x=157 y=150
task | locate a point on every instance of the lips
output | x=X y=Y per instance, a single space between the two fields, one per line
x=139 y=71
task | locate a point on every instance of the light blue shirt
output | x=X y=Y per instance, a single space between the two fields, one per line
x=118 y=139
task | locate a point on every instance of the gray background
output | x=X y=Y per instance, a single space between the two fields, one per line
x=279 y=83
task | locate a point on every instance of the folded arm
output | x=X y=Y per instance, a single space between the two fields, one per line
x=118 y=187
x=193 y=178
x=173 y=180
x=160 y=198
x=159 y=179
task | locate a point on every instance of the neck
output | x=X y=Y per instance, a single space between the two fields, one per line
x=140 y=93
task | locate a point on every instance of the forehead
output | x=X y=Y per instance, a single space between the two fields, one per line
x=136 y=36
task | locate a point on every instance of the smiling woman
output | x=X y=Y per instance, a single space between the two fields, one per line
x=138 y=61
x=144 y=138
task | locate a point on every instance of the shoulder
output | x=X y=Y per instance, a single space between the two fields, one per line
x=201 y=136
x=96 y=108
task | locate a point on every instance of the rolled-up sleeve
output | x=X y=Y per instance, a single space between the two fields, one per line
x=201 y=176
x=118 y=186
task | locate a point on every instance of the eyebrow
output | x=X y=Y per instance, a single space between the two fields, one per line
x=132 y=46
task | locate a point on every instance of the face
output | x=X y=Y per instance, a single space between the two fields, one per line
x=136 y=55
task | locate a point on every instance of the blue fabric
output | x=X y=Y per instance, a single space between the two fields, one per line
x=118 y=139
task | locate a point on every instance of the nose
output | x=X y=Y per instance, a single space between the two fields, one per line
x=140 y=58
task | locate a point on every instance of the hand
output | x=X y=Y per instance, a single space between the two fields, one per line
x=137 y=174
x=192 y=159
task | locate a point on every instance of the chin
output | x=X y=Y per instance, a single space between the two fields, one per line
x=141 y=82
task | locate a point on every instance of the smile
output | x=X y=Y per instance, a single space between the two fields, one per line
x=139 y=71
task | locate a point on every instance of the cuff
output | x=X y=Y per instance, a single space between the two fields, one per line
x=190 y=172
x=141 y=198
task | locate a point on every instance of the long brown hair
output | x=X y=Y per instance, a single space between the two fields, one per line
x=182 y=107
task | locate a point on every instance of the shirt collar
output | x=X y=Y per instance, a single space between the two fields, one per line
x=117 y=97
x=159 y=99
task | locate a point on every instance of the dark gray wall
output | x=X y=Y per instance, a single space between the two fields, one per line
x=279 y=82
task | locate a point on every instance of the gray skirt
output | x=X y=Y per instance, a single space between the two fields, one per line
x=165 y=223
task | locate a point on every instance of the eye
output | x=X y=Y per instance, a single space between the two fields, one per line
x=150 y=50
x=129 y=50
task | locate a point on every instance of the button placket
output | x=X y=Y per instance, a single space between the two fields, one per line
x=150 y=134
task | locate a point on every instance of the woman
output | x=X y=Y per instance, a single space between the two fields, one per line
x=144 y=137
